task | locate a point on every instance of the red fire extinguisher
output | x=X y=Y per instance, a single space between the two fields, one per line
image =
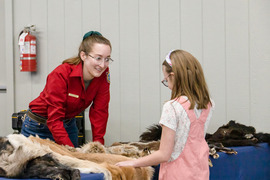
x=27 y=43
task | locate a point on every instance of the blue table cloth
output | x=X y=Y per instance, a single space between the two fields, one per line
x=250 y=163
x=97 y=176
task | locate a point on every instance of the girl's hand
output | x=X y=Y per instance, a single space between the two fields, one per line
x=125 y=163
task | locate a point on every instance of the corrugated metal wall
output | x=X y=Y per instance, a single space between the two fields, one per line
x=229 y=37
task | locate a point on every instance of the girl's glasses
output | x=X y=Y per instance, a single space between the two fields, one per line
x=165 y=81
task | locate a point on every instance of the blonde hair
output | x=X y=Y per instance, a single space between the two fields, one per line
x=86 y=46
x=188 y=79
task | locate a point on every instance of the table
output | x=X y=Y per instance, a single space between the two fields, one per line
x=97 y=176
x=250 y=163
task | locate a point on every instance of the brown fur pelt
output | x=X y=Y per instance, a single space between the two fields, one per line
x=153 y=133
x=126 y=150
x=131 y=149
x=233 y=134
x=142 y=148
x=218 y=147
x=262 y=137
x=106 y=160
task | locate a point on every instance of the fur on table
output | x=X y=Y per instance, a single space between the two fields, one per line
x=33 y=157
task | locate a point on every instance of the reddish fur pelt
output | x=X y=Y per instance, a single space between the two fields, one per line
x=106 y=160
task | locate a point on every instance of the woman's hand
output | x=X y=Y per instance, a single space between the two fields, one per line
x=125 y=163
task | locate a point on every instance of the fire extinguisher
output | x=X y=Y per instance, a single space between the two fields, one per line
x=27 y=43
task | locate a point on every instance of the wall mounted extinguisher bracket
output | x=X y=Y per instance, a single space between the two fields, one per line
x=27 y=44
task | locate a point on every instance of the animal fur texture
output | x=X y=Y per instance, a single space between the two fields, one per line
x=231 y=134
x=48 y=167
x=236 y=134
x=132 y=149
x=18 y=151
x=107 y=160
x=153 y=133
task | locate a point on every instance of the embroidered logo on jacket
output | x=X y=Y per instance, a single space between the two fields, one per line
x=108 y=77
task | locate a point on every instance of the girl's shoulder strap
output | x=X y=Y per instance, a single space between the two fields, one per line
x=184 y=102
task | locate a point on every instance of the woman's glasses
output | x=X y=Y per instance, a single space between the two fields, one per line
x=99 y=59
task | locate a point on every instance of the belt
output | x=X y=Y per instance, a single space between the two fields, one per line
x=41 y=119
x=36 y=117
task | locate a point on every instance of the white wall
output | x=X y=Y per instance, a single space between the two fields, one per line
x=6 y=72
x=3 y=79
x=2 y=45
x=229 y=37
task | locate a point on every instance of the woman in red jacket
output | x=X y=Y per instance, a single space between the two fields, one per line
x=70 y=89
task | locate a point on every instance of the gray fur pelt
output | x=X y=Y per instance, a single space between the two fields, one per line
x=16 y=151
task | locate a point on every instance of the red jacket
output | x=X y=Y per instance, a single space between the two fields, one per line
x=64 y=97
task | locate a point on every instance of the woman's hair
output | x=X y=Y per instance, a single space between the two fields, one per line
x=86 y=46
x=188 y=79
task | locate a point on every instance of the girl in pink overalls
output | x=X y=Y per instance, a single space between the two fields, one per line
x=183 y=152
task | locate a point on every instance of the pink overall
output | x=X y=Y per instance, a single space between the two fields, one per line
x=192 y=163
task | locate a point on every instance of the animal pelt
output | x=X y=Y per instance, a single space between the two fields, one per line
x=234 y=134
x=263 y=137
x=18 y=151
x=142 y=148
x=128 y=149
x=231 y=134
x=119 y=149
x=107 y=160
x=153 y=133
x=218 y=147
x=48 y=167
x=45 y=167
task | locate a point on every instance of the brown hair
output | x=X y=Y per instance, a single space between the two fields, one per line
x=188 y=79
x=86 y=46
